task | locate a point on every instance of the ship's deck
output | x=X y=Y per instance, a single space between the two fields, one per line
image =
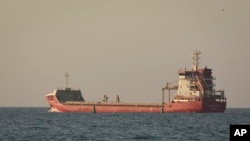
x=112 y=103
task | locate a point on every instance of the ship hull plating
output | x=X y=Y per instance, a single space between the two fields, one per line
x=197 y=107
x=104 y=108
x=204 y=106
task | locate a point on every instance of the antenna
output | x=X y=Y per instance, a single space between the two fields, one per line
x=67 y=79
x=196 y=59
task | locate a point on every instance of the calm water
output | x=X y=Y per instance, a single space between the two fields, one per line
x=36 y=124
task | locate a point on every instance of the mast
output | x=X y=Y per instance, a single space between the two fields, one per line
x=67 y=79
x=196 y=59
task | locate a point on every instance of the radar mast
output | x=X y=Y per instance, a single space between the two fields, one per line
x=196 y=59
x=67 y=79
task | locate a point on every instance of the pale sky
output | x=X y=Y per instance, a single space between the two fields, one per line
x=129 y=48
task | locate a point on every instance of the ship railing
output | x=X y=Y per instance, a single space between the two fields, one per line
x=183 y=71
x=211 y=84
x=72 y=89
x=186 y=100
x=218 y=94
x=210 y=78
x=108 y=103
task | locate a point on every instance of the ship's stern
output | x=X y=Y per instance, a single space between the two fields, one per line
x=213 y=106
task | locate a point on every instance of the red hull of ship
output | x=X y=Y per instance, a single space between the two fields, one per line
x=100 y=108
x=127 y=109
x=198 y=106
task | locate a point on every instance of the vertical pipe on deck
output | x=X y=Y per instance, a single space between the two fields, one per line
x=162 y=96
x=168 y=95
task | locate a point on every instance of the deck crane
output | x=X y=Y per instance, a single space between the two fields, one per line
x=169 y=88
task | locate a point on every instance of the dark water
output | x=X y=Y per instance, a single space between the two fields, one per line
x=34 y=124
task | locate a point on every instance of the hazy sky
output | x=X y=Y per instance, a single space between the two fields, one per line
x=125 y=47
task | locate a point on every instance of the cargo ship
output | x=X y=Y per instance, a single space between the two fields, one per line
x=194 y=92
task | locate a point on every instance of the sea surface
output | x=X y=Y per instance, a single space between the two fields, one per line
x=37 y=124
